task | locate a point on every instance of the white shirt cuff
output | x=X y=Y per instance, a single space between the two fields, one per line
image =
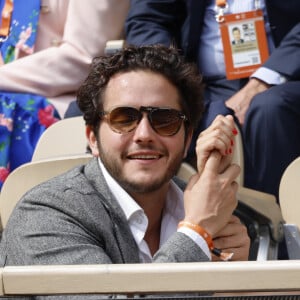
x=197 y=238
x=269 y=76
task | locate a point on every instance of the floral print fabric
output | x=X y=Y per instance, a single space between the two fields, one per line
x=23 y=28
x=23 y=117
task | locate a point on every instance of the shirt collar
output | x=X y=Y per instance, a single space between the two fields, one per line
x=137 y=220
x=127 y=203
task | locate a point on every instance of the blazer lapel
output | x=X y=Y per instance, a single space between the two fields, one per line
x=123 y=235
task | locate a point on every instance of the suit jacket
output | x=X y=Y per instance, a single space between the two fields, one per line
x=74 y=219
x=70 y=34
x=180 y=22
x=285 y=59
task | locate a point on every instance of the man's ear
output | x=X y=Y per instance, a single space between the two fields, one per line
x=188 y=140
x=92 y=140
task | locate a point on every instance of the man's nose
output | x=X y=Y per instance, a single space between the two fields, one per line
x=144 y=130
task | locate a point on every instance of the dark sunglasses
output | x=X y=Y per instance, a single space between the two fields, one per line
x=164 y=121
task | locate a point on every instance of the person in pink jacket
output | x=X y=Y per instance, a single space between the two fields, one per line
x=45 y=63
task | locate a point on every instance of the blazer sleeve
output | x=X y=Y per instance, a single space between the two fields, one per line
x=154 y=22
x=180 y=248
x=286 y=58
x=59 y=70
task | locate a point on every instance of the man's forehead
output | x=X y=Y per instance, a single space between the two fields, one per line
x=142 y=85
x=134 y=79
x=122 y=75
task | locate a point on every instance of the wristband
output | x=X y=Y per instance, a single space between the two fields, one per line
x=207 y=237
x=200 y=230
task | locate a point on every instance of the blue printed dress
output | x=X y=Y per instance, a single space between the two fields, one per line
x=23 y=117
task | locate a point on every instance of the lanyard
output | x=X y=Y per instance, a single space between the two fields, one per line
x=6 y=14
x=221 y=7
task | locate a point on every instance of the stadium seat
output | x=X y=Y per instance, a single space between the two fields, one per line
x=289 y=199
x=65 y=137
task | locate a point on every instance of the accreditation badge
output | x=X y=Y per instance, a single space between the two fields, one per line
x=245 y=43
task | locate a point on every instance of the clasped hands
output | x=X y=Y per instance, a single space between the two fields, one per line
x=210 y=196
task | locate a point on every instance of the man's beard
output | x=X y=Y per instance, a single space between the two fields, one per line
x=131 y=186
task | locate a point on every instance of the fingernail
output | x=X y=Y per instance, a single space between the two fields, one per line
x=234 y=131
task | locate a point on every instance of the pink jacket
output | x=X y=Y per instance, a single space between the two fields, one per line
x=70 y=34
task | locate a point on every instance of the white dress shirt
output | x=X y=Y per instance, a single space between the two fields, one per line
x=138 y=221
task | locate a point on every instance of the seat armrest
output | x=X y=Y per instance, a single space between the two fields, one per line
x=265 y=205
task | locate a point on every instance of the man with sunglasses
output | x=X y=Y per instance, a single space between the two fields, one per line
x=140 y=106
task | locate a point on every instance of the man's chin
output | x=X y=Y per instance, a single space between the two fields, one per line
x=143 y=184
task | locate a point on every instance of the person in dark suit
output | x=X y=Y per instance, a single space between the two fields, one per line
x=266 y=105
x=125 y=206
x=236 y=33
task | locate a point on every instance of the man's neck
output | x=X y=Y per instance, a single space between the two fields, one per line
x=153 y=205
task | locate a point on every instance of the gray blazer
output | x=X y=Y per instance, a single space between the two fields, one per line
x=74 y=219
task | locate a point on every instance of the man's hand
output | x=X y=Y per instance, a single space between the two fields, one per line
x=210 y=198
x=240 y=101
x=233 y=238
x=220 y=136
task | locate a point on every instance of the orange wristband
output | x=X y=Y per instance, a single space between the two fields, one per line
x=200 y=230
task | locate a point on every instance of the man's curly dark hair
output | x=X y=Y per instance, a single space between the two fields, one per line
x=156 y=58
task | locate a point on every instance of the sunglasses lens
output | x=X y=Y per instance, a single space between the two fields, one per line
x=166 y=122
x=124 y=119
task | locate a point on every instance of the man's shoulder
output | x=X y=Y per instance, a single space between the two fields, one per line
x=68 y=194
x=75 y=183
x=73 y=179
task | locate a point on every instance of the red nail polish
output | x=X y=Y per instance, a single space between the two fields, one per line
x=234 y=131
